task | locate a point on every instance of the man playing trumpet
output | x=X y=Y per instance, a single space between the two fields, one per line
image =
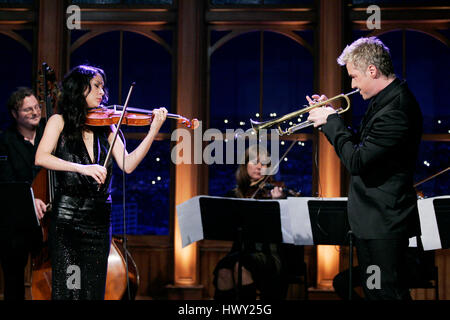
x=381 y=158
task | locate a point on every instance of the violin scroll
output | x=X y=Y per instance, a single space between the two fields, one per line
x=191 y=124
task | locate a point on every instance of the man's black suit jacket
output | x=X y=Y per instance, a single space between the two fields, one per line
x=17 y=165
x=381 y=158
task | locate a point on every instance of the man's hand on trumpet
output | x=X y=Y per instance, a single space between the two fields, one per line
x=319 y=115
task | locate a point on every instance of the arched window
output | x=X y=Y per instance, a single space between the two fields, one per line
x=16 y=64
x=261 y=76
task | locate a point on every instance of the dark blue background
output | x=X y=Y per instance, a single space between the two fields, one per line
x=235 y=96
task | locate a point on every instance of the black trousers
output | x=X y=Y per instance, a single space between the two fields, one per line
x=383 y=268
x=14 y=257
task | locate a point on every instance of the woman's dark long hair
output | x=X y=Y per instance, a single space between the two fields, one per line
x=243 y=180
x=72 y=102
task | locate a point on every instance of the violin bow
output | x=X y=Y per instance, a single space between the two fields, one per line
x=119 y=124
x=431 y=177
x=106 y=161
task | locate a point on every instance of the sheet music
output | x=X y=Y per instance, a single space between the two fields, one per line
x=295 y=221
x=298 y=212
x=190 y=221
x=300 y=220
x=286 y=227
x=428 y=224
x=413 y=242
x=294 y=215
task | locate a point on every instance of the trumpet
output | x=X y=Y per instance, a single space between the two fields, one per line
x=257 y=126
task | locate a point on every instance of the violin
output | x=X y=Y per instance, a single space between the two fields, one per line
x=106 y=116
x=262 y=188
x=286 y=191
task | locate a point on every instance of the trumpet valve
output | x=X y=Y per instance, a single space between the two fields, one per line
x=280 y=131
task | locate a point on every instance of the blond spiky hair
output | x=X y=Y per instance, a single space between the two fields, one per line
x=366 y=51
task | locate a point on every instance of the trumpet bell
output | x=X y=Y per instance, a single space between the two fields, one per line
x=257 y=126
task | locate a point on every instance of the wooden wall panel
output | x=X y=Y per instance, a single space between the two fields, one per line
x=442 y=261
x=310 y=257
x=153 y=256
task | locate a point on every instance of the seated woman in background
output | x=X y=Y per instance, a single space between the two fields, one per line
x=261 y=262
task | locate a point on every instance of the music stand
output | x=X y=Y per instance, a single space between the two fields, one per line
x=240 y=220
x=330 y=226
x=442 y=212
x=17 y=201
x=329 y=221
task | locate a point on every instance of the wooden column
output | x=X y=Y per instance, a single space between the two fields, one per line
x=330 y=84
x=51 y=44
x=190 y=101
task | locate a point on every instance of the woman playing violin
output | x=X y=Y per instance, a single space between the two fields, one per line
x=261 y=262
x=250 y=180
x=79 y=235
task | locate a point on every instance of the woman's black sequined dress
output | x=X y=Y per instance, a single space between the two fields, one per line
x=79 y=234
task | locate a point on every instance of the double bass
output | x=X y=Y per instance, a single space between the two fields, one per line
x=122 y=279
